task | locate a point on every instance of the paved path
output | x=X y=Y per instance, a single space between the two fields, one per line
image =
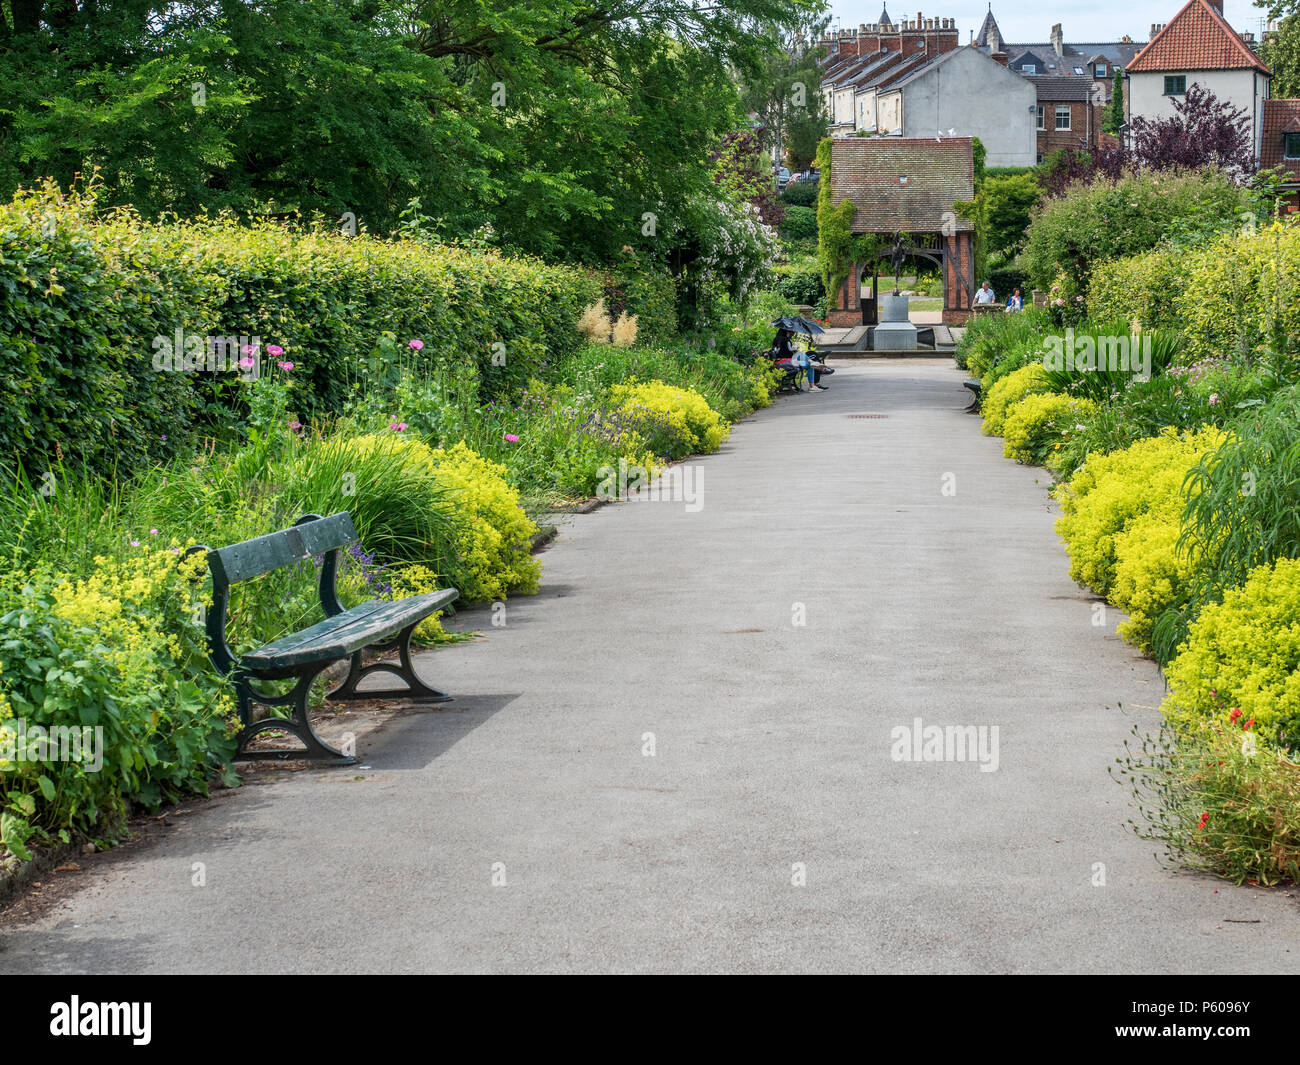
x=772 y=748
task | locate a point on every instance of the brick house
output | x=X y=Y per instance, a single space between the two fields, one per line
x=1280 y=145
x=1073 y=81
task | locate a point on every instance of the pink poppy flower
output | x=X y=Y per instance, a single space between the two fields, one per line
x=416 y=345
x=274 y=350
x=511 y=438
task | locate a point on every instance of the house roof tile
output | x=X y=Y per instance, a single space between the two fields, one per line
x=867 y=171
x=1280 y=117
x=1197 y=38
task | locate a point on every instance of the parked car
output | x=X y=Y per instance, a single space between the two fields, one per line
x=782 y=177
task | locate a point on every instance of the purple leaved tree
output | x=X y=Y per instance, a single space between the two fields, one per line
x=1203 y=131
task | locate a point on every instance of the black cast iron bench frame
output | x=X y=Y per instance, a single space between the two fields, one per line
x=379 y=625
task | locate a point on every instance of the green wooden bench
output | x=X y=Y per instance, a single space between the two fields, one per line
x=378 y=625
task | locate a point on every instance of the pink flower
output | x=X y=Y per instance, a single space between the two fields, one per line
x=295 y=426
x=416 y=345
x=285 y=366
x=153 y=532
x=135 y=543
x=274 y=350
x=398 y=426
x=249 y=349
x=246 y=363
x=511 y=438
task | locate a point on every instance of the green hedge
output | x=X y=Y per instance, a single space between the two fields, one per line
x=1236 y=295
x=88 y=305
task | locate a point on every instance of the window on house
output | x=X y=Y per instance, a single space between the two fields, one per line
x=1039 y=116
x=1101 y=70
x=1028 y=68
x=1175 y=84
x=1291 y=145
x=1062 y=116
x=1078 y=70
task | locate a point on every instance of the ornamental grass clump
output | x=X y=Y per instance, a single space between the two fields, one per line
x=1218 y=801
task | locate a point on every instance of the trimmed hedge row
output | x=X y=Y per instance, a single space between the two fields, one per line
x=1237 y=294
x=90 y=309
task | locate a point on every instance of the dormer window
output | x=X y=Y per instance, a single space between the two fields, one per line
x=1028 y=68
x=1101 y=71
x=1291 y=145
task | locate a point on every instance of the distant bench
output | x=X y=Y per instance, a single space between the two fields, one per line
x=380 y=625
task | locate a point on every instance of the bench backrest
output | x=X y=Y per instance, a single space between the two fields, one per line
x=311 y=536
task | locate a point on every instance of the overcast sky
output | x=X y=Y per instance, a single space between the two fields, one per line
x=1096 y=20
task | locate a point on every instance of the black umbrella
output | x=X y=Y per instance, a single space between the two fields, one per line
x=798 y=324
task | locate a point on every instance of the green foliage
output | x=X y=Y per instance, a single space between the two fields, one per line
x=800 y=224
x=1215 y=806
x=1039 y=423
x=114 y=656
x=546 y=122
x=1009 y=199
x=803 y=193
x=1113 y=117
x=1243 y=654
x=1008 y=391
x=976 y=211
x=995 y=344
x=1209 y=393
x=1282 y=53
x=1107 y=219
x=1099 y=360
x=1238 y=295
x=1111 y=491
x=92 y=312
x=676 y=422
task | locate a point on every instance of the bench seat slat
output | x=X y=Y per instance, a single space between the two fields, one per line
x=339 y=636
x=253 y=558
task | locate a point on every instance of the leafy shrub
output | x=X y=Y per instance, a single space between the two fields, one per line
x=117 y=651
x=1181 y=398
x=800 y=223
x=800 y=194
x=1039 y=423
x=1005 y=280
x=1099 y=361
x=1235 y=296
x=647 y=293
x=803 y=287
x=995 y=344
x=1243 y=654
x=1110 y=491
x=1008 y=391
x=1108 y=219
x=1151 y=573
x=78 y=312
x=490 y=537
x=676 y=422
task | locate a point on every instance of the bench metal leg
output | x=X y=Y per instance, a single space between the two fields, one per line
x=299 y=724
x=415 y=690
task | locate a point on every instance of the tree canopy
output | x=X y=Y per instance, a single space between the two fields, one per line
x=553 y=128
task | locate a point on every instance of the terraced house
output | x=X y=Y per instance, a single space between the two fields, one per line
x=912 y=79
x=1072 y=82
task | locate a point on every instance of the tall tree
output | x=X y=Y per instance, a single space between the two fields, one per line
x=1282 y=54
x=784 y=94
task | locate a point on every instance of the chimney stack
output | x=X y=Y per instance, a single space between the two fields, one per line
x=999 y=57
x=1058 y=40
